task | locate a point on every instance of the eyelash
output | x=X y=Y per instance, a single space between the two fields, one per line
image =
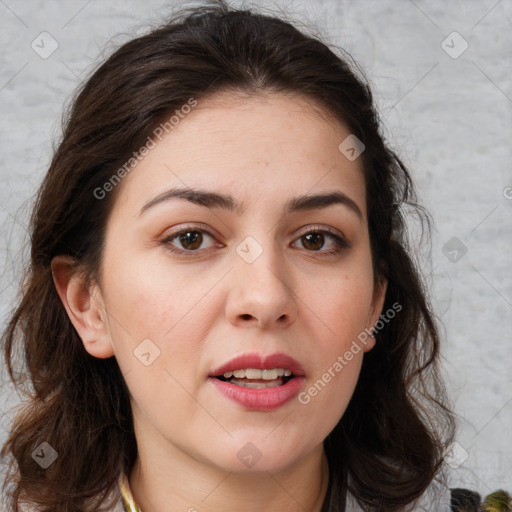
x=340 y=242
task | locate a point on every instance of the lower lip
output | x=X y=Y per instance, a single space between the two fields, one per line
x=265 y=399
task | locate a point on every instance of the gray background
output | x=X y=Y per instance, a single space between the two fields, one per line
x=450 y=118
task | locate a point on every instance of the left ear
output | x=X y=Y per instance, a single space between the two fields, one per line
x=379 y=296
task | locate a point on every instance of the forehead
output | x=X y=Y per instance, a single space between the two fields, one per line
x=264 y=144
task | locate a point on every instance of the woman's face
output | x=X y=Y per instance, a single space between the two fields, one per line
x=241 y=233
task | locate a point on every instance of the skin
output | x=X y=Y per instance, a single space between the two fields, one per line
x=203 y=309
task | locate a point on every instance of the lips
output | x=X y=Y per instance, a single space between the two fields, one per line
x=259 y=394
x=260 y=362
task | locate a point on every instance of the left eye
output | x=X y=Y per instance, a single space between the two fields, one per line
x=318 y=240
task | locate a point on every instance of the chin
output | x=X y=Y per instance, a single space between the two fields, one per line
x=261 y=456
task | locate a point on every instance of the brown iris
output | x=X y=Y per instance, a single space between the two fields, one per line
x=191 y=239
x=313 y=241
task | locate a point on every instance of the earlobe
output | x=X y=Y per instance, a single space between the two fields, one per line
x=84 y=306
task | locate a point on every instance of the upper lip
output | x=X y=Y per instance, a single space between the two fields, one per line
x=260 y=362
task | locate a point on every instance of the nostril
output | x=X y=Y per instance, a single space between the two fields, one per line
x=246 y=316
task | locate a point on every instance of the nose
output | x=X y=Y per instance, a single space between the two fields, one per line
x=261 y=293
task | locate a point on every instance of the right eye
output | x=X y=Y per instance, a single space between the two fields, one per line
x=189 y=240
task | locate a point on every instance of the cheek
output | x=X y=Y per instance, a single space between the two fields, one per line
x=328 y=393
x=340 y=308
x=337 y=317
x=166 y=312
x=152 y=298
x=146 y=303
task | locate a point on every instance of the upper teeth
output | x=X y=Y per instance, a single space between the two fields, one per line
x=253 y=373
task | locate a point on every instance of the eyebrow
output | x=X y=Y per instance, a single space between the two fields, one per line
x=216 y=200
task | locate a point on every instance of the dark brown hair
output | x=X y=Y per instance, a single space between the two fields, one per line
x=389 y=444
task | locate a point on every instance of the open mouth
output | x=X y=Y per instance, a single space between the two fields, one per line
x=257 y=379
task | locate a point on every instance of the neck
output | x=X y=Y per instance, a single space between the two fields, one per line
x=176 y=482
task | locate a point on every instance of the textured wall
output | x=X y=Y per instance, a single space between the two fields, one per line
x=441 y=76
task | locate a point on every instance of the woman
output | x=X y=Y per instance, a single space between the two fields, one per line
x=221 y=310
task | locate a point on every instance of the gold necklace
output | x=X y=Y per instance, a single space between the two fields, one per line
x=126 y=493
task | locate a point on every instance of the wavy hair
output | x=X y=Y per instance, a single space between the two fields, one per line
x=389 y=444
